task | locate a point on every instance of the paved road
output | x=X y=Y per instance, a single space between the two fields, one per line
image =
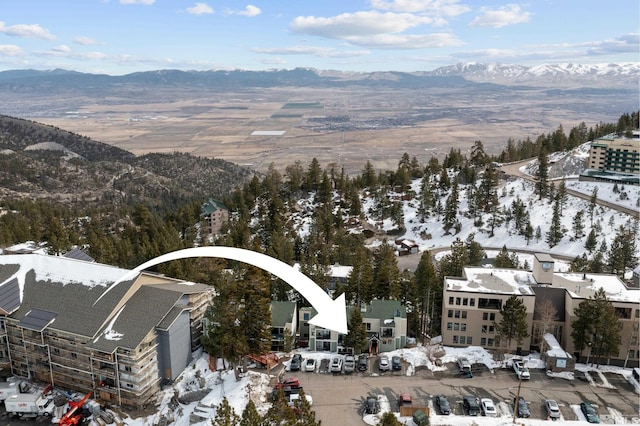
x=339 y=399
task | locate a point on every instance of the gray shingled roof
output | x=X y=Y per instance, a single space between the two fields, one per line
x=37 y=319
x=141 y=314
x=10 y=296
x=74 y=303
x=76 y=253
x=282 y=312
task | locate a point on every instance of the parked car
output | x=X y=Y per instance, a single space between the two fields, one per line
x=363 y=362
x=404 y=400
x=310 y=365
x=488 y=409
x=349 y=364
x=336 y=365
x=522 y=408
x=465 y=366
x=553 y=411
x=296 y=362
x=589 y=412
x=383 y=363
x=287 y=391
x=289 y=382
x=396 y=363
x=295 y=397
x=471 y=405
x=521 y=370
x=443 y=405
x=371 y=405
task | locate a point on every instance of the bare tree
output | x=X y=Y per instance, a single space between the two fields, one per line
x=546 y=314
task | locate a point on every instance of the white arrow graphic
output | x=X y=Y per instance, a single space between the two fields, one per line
x=331 y=315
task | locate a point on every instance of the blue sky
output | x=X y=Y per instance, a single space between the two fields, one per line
x=123 y=36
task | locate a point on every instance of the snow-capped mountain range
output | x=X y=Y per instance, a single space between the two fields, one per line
x=623 y=73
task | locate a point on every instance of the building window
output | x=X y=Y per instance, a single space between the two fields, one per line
x=469 y=340
x=305 y=316
x=455 y=339
x=457 y=314
x=485 y=316
x=492 y=317
x=637 y=313
x=463 y=326
x=483 y=341
x=489 y=342
x=631 y=353
x=464 y=314
x=462 y=340
x=74 y=355
x=492 y=329
x=456 y=326
x=472 y=302
x=465 y=301
x=457 y=300
x=634 y=340
x=450 y=313
x=449 y=325
x=367 y=326
x=56 y=351
x=451 y=300
x=485 y=328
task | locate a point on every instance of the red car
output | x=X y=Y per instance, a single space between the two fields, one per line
x=289 y=382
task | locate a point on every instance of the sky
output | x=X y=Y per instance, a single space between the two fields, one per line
x=123 y=36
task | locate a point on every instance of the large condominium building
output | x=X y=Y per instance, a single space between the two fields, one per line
x=472 y=303
x=615 y=154
x=64 y=321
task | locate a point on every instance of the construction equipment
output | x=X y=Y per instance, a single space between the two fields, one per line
x=73 y=417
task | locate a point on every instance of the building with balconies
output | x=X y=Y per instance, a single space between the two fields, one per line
x=70 y=323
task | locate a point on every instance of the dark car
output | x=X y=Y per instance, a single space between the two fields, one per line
x=471 y=405
x=443 y=405
x=522 y=408
x=296 y=362
x=289 y=382
x=363 y=364
x=396 y=363
x=287 y=391
x=371 y=405
x=589 y=412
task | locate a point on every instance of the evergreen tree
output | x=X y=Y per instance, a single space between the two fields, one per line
x=357 y=335
x=451 y=207
x=389 y=419
x=578 y=225
x=542 y=175
x=592 y=202
x=561 y=195
x=474 y=249
x=386 y=275
x=306 y=416
x=505 y=260
x=369 y=179
x=359 y=287
x=513 y=321
x=596 y=326
x=478 y=156
x=591 y=242
x=250 y=415
x=556 y=231
x=452 y=264
x=426 y=287
x=225 y=415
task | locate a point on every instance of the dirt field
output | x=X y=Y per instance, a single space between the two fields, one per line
x=345 y=127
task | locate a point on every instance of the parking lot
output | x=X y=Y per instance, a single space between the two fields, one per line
x=340 y=397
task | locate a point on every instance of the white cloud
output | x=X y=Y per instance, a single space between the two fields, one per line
x=10 y=50
x=63 y=48
x=324 y=52
x=358 y=24
x=435 y=7
x=625 y=43
x=147 y=2
x=24 y=30
x=85 y=41
x=400 y=41
x=506 y=15
x=200 y=9
x=250 y=10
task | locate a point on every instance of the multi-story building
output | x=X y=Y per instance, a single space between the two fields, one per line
x=615 y=154
x=472 y=303
x=385 y=322
x=214 y=214
x=284 y=324
x=72 y=324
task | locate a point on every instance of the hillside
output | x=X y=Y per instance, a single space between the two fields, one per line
x=45 y=162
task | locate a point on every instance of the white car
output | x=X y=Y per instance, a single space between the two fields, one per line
x=349 y=364
x=310 y=365
x=294 y=397
x=488 y=409
x=383 y=363
x=336 y=365
x=521 y=370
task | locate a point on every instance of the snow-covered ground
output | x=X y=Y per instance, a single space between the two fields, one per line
x=210 y=387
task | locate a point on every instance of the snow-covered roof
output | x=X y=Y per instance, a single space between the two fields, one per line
x=555 y=350
x=494 y=281
x=515 y=281
x=340 y=271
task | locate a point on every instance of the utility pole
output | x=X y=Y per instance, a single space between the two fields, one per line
x=517 y=400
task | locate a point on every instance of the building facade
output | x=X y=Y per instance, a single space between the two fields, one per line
x=214 y=214
x=63 y=321
x=472 y=303
x=615 y=154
